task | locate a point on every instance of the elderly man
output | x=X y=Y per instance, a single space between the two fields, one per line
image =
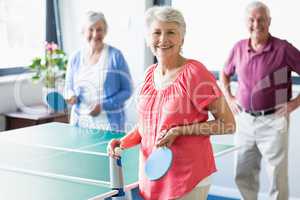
x=263 y=64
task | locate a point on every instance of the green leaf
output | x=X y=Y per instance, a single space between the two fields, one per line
x=36 y=62
x=35 y=77
x=49 y=67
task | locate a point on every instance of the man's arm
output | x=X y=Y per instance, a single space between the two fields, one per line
x=292 y=59
x=225 y=85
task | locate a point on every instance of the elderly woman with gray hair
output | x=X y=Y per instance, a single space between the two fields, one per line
x=98 y=81
x=175 y=99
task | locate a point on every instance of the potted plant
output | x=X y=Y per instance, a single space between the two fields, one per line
x=50 y=69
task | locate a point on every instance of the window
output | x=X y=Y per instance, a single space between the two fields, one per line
x=22 y=31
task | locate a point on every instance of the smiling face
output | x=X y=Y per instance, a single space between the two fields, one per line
x=95 y=33
x=258 y=24
x=165 y=39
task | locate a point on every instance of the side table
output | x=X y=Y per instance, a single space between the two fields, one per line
x=33 y=115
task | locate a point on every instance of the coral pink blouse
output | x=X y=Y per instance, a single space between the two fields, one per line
x=181 y=103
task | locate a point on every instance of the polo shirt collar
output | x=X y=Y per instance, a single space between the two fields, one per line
x=266 y=48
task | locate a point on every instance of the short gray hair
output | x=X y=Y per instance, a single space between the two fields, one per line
x=165 y=14
x=91 y=17
x=258 y=5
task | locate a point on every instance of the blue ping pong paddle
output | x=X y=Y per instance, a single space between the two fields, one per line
x=158 y=163
x=56 y=101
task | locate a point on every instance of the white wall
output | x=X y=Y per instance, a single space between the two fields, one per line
x=125 y=28
x=214 y=26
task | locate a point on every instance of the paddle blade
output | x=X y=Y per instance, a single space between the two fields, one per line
x=158 y=163
x=56 y=101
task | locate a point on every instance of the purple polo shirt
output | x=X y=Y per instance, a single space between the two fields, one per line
x=264 y=77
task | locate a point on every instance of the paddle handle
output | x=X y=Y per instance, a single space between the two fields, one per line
x=116 y=177
x=118 y=151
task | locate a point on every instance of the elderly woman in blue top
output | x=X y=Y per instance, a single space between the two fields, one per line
x=98 y=81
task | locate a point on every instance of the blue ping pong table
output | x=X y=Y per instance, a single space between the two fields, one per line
x=62 y=162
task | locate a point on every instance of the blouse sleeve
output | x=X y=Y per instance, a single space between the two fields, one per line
x=131 y=139
x=203 y=87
